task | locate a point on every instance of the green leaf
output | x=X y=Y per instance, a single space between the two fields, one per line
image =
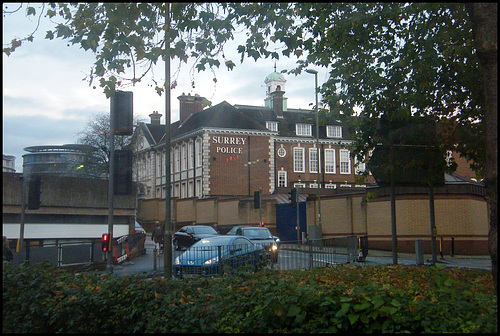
x=353 y=317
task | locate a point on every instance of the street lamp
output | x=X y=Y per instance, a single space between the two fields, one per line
x=311 y=71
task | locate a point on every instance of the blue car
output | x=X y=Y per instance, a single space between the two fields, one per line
x=218 y=255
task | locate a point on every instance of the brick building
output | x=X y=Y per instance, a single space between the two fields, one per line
x=234 y=150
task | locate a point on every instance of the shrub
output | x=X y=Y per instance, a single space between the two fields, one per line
x=337 y=299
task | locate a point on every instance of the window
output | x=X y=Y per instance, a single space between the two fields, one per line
x=345 y=162
x=329 y=160
x=359 y=167
x=177 y=159
x=190 y=156
x=313 y=160
x=334 y=131
x=281 y=152
x=198 y=153
x=160 y=164
x=184 y=157
x=198 y=188
x=298 y=160
x=303 y=129
x=282 y=179
x=272 y=126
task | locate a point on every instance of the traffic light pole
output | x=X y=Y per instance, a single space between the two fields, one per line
x=20 y=242
x=167 y=238
x=111 y=190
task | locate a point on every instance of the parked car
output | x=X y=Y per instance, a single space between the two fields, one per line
x=188 y=235
x=218 y=255
x=259 y=235
x=139 y=228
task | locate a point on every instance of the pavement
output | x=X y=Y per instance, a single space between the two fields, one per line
x=145 y=264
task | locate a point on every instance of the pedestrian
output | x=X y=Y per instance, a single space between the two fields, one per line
x=7 y=253
x=157 y=235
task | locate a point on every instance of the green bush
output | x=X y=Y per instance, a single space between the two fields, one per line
x=337 y=299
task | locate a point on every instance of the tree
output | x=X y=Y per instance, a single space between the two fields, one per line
x=389 y=59
x=97 y=134
x=128 y=38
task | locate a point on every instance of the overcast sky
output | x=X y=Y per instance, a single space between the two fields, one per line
x=46 y=100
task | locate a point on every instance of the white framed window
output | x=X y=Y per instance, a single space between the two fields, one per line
x=345 y=161
x=282 y=183
x=190 y=188
x=281 y=152
x=183 y=190
x=298 y=160
x=160 y=163
x=299 y=185
x=330 y=186
x=198 y=188
x=330 y=161
x=177 y=159
x=359 y=167
x=313 y=160
x=303 y=129
x=184 y=157
x=334 y=131
x=313 y=185
x=190 y=155
x=197 y=148
x=272 y=126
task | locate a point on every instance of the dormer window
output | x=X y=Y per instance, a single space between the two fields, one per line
x=334 y=131
x=272 y=126
x=303 y=129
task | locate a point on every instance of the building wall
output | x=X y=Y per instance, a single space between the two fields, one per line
x=71 y=207
x=462 y=218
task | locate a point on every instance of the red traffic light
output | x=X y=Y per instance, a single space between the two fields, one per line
x=261 y=223
x=105 y=242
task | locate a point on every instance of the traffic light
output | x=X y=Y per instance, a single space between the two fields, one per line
x=293 y=197
x=122 y=110
x=261 y=223
x=34 y=192
x=105 y=242
x=256 y=199
x=123 y=172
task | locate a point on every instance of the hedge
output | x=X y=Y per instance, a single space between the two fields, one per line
x=335 y=299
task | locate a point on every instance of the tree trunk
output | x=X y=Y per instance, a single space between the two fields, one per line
x=484 y=20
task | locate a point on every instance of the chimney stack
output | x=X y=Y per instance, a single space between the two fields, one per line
x=189 y=105
x=155 y=118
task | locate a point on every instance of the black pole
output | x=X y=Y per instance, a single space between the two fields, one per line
x=433 y=224
x=393 y=212
x=167 y=238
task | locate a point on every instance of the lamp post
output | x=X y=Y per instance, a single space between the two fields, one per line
x=315 y=73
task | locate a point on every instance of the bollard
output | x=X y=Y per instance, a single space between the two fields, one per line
x=154 y=258
x=452 y=246
x=419 y=251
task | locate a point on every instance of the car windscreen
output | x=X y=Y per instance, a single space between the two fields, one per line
x=204 y=230
x=257 y=234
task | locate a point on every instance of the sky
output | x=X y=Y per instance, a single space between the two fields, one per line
x=47 y=101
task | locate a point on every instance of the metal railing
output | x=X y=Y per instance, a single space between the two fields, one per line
x=77 y=252
x=205 y=261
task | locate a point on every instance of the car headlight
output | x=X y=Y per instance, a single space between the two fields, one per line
x=177 y=261
x=274 y=247
x=211 y=261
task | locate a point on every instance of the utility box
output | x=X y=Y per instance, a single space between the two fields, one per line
x=419 y=251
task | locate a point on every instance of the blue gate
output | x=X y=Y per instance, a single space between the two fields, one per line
x=286 y=221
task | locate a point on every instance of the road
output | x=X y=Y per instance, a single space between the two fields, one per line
x=295 y=259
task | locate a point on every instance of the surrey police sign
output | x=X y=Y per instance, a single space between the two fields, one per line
x=228 y=144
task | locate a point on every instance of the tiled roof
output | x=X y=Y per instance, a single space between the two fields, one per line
x=244 y=117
